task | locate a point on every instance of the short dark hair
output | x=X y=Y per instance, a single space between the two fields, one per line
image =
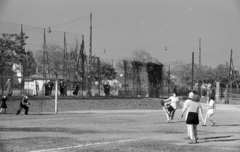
x=212 y=97
x=162 y=102
x=195 y=92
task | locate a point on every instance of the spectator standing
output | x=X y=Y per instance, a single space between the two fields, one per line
x=75 y=89
x=23 y=105
x=64 y=87
x=46 y=89
x=226 y=96
x=194 y=107
x=61 y=88
x=37 y=87
x=50 y=86
x=9 y=87
x=3 y=105
x=107 y=89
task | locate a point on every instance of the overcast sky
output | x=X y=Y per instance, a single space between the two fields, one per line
x=122 y=26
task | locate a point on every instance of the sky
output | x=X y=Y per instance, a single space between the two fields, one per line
x=169 y=30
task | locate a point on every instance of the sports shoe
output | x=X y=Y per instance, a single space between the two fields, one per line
x=213 y=124
x=193 y=142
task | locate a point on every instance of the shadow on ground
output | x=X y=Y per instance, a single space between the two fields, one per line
x=217 y=139
x=46 y=129
x=229 y=125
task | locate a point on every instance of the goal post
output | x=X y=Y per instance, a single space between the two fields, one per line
x=29 y=84
x=56 y=95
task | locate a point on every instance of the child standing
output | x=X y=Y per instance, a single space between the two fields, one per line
x=3 y=105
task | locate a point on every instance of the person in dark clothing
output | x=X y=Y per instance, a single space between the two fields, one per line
x=61 y=88
x=37 y=88
x=107 y=89
x=64 y=87
x=76 y=88
x=3 y=105
x=46 y=89
x=50 y=87
x=23 y=105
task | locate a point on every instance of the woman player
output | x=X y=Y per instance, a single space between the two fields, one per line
x=210 y=111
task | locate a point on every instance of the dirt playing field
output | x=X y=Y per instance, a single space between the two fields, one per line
x=116 y=131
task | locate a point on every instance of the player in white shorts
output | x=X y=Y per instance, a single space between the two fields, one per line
x=210 y=112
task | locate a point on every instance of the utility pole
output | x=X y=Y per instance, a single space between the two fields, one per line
x=168 y=80
x=231 y=73
x=200 y=70
x=125 y=76
x=200 y=54
x=99 y=75
x=21 y=67
x=64 y=57
x=45 y=57
x=192 y=70
x=44 y=53
x=90 y=59
x=83 y=63
x=47 y=61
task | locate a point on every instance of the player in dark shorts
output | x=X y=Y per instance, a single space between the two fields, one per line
x=23 y=105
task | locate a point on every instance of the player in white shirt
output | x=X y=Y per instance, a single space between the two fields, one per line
x=210 y=112
x=193 y=107
x=190 y=96
x=173 y=100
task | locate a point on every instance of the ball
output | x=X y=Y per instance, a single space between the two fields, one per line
x=121 y=75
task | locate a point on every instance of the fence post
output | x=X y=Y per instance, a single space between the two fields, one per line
x=56 y=96
x=217 y=96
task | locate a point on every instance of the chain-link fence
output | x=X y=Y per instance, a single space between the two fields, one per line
x=44 y=54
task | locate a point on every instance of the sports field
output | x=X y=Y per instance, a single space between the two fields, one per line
x=116 y=131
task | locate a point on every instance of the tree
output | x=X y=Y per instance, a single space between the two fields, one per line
x=105 y=72
x=142 y=56
x=55 y=59
x=29 y=64
x=136 y=71
x=13 y=52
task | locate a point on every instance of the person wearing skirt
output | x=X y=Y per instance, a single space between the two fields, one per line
x=194 y=107
x=190 y=96
x=3 y=105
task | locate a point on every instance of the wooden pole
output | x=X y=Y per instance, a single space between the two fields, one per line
x=192 y=70
x=200 y=69
x=125 y=74
x=168 y=80
x=90 y=59
x=230 y=75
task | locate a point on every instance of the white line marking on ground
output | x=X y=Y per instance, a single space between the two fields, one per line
x=91 y=144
